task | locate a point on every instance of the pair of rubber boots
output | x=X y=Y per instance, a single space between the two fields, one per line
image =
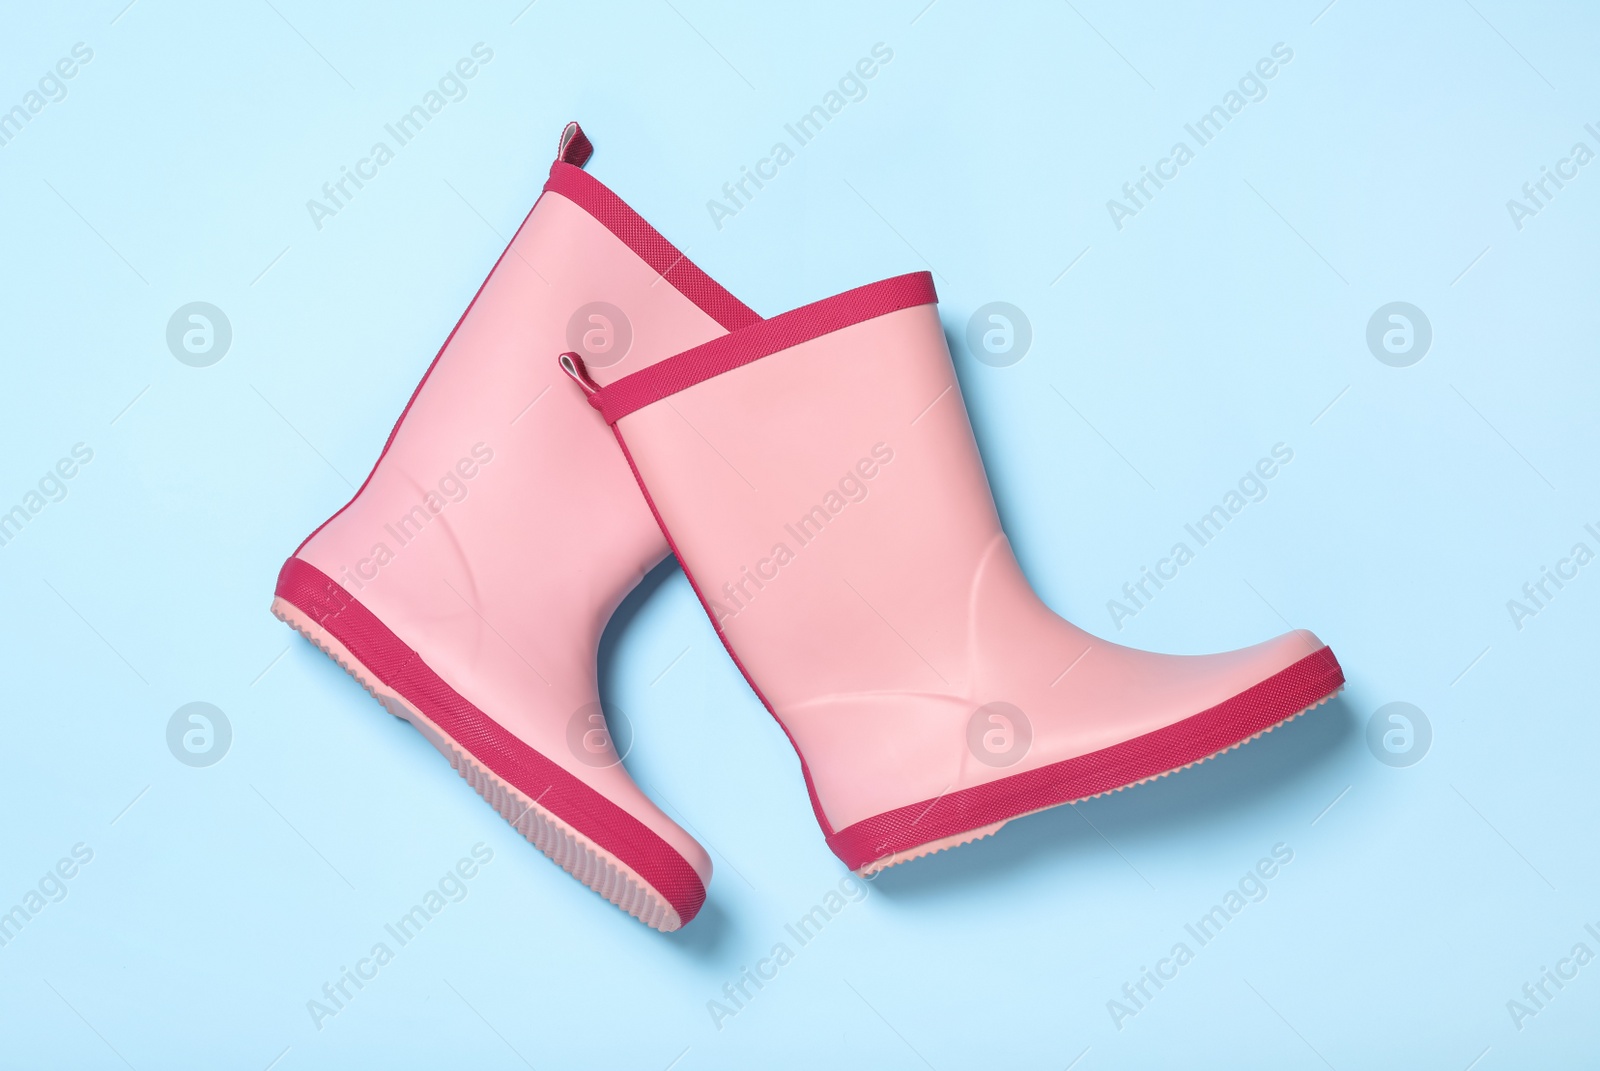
x=817 y=478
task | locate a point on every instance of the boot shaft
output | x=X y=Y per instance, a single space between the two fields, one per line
x=819 y=479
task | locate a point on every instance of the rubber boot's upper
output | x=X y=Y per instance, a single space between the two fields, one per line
x=499 y=528
x=819 y=479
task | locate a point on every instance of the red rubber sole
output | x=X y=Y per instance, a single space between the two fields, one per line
x=590 y=837
x=932 y=825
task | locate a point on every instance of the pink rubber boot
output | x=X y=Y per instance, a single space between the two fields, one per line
x=816 y=475
x=467 y=582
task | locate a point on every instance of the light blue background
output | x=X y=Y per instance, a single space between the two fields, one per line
x=1229 y=315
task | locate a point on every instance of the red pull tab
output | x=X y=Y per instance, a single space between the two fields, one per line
x=573 y=366
x=574 y=148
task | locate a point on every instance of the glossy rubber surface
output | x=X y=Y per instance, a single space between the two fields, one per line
x=499 y=529
x=843 y=537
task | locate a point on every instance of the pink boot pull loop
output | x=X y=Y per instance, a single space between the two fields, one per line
x=574 y=147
